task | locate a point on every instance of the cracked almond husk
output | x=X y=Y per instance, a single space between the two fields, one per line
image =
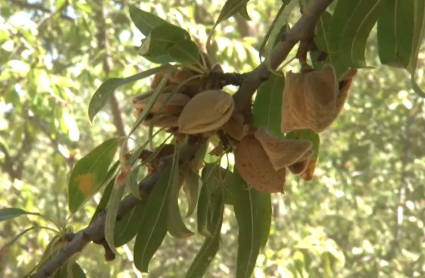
x=301 y=165
x=282 y=152
x=313 y=100
x=254 y=166
x=174 y=103
x=206 y=112
x=236 y=127
x=162 y=120
x=309 y=171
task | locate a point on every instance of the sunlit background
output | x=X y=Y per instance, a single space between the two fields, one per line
x=361 y=216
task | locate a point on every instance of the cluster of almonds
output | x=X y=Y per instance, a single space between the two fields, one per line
x=312 y=100
x=189 y=104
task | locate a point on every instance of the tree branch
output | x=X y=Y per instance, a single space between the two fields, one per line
x=303 y=29
x=96 y=231
x=37 y=6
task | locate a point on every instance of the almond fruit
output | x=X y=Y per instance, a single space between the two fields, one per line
x=255 y=168
x=281 y=152
x=236 y=127
x=166 y=103
x=205 y=112
x=162 y=120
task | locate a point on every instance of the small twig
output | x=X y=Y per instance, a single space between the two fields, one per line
x=39 y=7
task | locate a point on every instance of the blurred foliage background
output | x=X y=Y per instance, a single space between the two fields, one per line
x=362 y=215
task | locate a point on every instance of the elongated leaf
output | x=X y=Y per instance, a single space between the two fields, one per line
x=76 y=271
x=271 y=27
x=307 y=135
x=230 y=8
x=110 y=180
x=132 y=183
x=191 y=188
x=89 y=173
x=243 y=12
x=351 y=24
x=211 y=244
x=175 y=223
x=395 y=32
x=245 y=204
x=418 y=37
x=281 y=20
x=322 y=41
x=4 y=250
x=268 y=104
x=126 y=229
x=113 y=205
x=185 y=52
x=264 y=207
x=209 y=184
x=52 y=248
x=101 y=97
x=153 y=226
x=145 y=21
x=10 y=213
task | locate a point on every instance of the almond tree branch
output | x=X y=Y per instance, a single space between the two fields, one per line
x=303 y=29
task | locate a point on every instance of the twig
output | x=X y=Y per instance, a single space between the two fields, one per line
x=303 y=29
x=39 y=7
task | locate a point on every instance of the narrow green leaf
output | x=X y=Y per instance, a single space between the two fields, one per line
x=268 y=104
x=307 y=135
x=230 y=8
x=175 y=223
x=282 y=19
x=245 y=200
x=77 y=271
x=52 y=248
x=267 y=35
x=211 y=244
x=101 y=97
x=351 y=24
x=209 y=184
x=243 y=12
x=322 y=41
x=145 y=21
x=153 y=226
x=418 y=37
x=264 y=208
x=4 y=250
x=185 y=52
x=126 y=229
x=112 y=212
x=191 y=189
x=89 y=173
x=132 y=182
x=110 y=180
x=395 y=32
x=10 y=213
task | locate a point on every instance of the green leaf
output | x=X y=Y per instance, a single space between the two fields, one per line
x=395 y=32
x=230 y=8
x=112 y=212
x=175 y=223
x=127 y=227
x=77 y=272
x=268 y=104
x=4 y=250
x=191 y=188
x=322 y=41
x=418 y=36
x=102 y=95
x=209 y=185
x=145 y=21
x=281 y=20
x=89 y=173
x=110 y=180
x=211 y=244
x=243 y=12
x=185 y=52
x=52 y=248
x=351 y=24
x=10 y=213
x=133 y=184
x=153 y=226
x=264 y=207
x=307 y=135
x=245 y=204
